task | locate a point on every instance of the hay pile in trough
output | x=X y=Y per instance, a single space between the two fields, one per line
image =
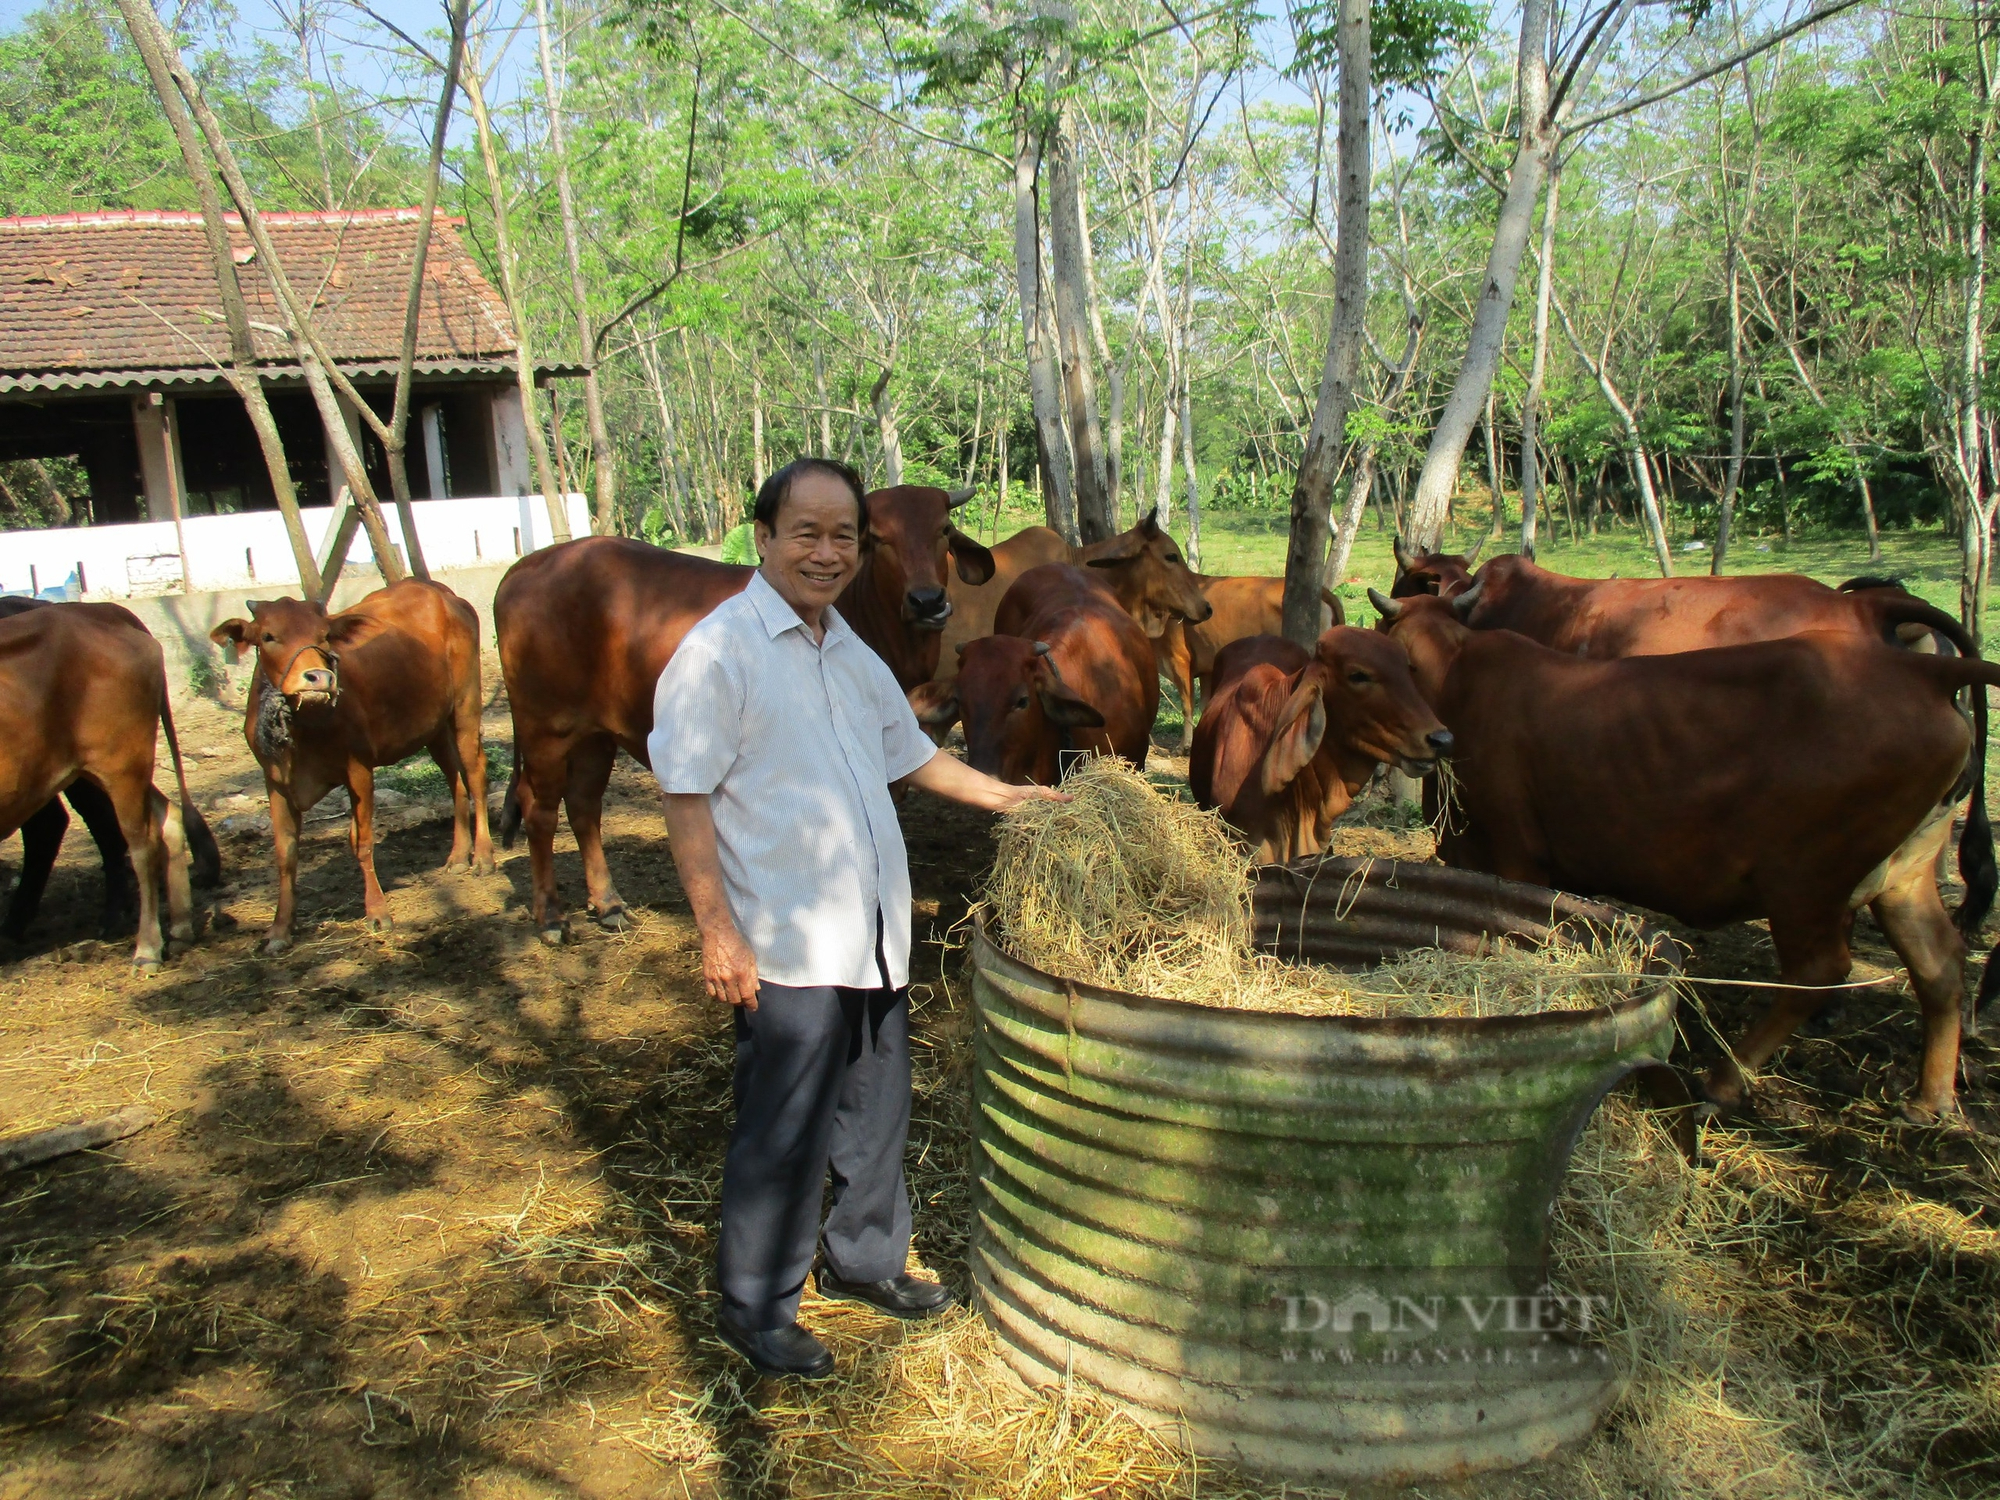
x=1127 y=887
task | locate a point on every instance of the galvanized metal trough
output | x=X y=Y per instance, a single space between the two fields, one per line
x=1317 y=1245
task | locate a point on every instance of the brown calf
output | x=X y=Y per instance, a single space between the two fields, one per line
x=973 y=605
x=1068 y=669
x=1242 y=607
x=83 y=693
x=1287 y=740
x=586 y=628
x=335 y=696
x=1446 y=574
x=1796 y=780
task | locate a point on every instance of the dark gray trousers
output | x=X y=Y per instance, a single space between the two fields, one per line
x=822 y=1090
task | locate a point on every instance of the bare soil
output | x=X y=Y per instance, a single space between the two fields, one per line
x=430 y=1212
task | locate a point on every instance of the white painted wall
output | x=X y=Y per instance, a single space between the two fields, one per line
x=250 y=550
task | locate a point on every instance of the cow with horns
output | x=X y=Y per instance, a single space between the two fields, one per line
x=1796 y=779
x=586 y=628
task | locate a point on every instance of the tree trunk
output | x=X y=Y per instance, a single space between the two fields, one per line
x=1363 y=488
x=603 y=473
x=1531 y=406
x=156 y=49
x=1305 y=550
x=1733 y=476
x=1538 y=140
x=1493 y=482
x=1974 y=536
x=503 y=255
x=825 y=406
x=1187 y=462
x=1066 y=255
x=887 y=429
x=757 y=469
x=397 y=447
x=1635 y=449
x=1044 y=394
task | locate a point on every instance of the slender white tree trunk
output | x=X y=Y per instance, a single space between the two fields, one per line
x=1531 y=406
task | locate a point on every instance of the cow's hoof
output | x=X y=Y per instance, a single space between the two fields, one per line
x=275 y=945
x=382 y=924
x=1917 y=1112
x=614 y=920
x=486 y=865
x=146 y=967
x=553 y=936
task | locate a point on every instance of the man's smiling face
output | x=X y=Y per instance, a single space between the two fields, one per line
x=816 y=547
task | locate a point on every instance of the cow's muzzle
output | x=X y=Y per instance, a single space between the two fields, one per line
x=316 y=685
x=1440 y=744
x=927 y=609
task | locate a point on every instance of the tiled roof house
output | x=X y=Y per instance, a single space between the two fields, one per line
x=112 y=349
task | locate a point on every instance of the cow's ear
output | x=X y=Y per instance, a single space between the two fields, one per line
x=1295 y=739
x=935 y=704
x=1063 y=708
x=231 y=636
x=975 y=562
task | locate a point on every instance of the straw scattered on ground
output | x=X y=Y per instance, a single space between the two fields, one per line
x=1129 y=887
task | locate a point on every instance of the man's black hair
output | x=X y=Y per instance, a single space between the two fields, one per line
x=771 y=493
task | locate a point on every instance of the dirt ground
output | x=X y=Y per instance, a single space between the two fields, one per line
x=430 y=1213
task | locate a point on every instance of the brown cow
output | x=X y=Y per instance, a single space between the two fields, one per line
x=1142 y=565
x=335 y=696
x=972 y=605
x=586 y=628
x=1611 y=617
x=1287 y=740
x=83 y=692
x=1243 y=607
x=1068 y=669
x=1445 y=574
x=42 y=832
x=1795 y=779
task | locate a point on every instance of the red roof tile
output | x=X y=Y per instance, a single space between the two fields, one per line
x=135 y=290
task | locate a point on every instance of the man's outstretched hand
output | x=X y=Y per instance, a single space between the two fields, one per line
x=948 y=776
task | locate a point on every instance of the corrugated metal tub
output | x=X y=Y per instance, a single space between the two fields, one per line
x=1313 y=1244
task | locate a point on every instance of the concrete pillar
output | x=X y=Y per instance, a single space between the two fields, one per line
x=159 y=454
x=511 y=473
x=434 y=450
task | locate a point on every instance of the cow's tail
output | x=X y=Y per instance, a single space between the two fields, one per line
x=207 y=872
x=510 y=805
x=1975 y=848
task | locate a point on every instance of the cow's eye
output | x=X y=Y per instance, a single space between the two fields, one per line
x=1359 y=679
x=1173 y=557
x=269 y=639
x=1021 y=702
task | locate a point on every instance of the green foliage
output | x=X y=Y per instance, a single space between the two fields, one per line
x=1411 y=40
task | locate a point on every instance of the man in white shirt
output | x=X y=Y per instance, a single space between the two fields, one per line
x=776 y=735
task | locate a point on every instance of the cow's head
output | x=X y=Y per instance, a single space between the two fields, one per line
x=1445 y=574
x=1432 y=631
x=910 y=534
x=297 y=646
x=1152 y=580
x=1015 y=707
x=1373 y=709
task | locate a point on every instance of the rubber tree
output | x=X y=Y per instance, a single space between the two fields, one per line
x=1542 y=110
x=503 y=255
x=1305 y=549
x=1538 y=369
x=602 y=460
x=155 y=48
x=1069 y=271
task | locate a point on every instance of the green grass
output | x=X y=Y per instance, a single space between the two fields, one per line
x=420 y=777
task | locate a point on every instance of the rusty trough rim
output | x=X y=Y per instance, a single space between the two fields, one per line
x=1304 y=875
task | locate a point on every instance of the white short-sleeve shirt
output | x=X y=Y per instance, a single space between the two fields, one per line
x=795 y=744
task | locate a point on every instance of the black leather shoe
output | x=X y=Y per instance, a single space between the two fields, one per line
x=900 y=1296
x=778 y=1351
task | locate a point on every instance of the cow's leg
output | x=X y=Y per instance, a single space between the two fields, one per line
x=361 y=835
x=472 y=766
x=1913 y=917
x=174 y=859
x=41 y=841
x=444 y=750
x=101 y=818
x=540 y=770
x=1183 y=671
x=1812 y=951
x=140 y=809
x=285 y=855
x=589 y=774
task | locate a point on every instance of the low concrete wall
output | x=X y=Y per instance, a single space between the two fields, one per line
x=182 y=621
x=250 y=550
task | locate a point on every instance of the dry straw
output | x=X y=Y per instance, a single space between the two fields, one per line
x=1128 y=887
